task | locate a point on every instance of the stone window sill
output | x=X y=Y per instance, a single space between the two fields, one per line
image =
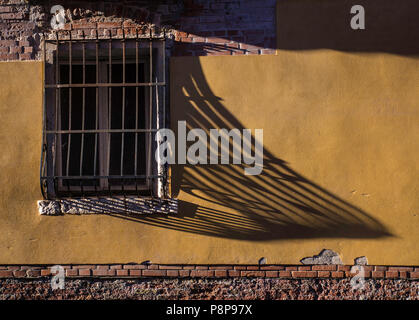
x=115 y=205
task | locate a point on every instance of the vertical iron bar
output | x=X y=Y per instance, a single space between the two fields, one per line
x=164 y=79
x=44 y=135
x=70 y=67
x=110 y=111
x=57 y=107
x=97 y=107
x=83 y=109
x=136 y=110
x=123 y=109
x=150 y=106
x=164 y=99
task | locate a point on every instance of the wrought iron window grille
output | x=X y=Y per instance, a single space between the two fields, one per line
x=104 y=100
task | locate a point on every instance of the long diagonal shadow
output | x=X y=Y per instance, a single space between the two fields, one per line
x=277 y=204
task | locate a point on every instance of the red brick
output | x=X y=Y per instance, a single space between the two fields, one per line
x=323 y=274
x=252 y=268
x=272 y=274
x=8 y=43
x=304 y=268
x=4 y=49
x=188 y=267
x=400 y=268
x=272 y=268
x=202 y=273
x=239 y=267
x=111 y=272
x=102 y=267
x=378 y=274
x=252 y=273
x=33 y=273
x=198 y=39
x=24 y=43
x=217 y=40
x=6 y=273
x=71 y=272
x=152 y=267
x=187 y=40
x=172 y=273
x=6 y=9
x=122 y=272
x=19 y=273
x=135 y=272
x=291 y=268
x=154 y=273
x=181 y=34
x=183 y=273
x=84 y=272
x=45 y=272
x=285 y=274
x=392 y=274
x=221 y=273
x=84 y=266
x=344 y=268
x=220 y=267
x=100 y=272
x=403 y=274
x=304 y=274
x=25 y=56
x=233 y=273
x=83 y=25
x=331 y=267
x=201 y=267
x=9 y=56
x=414 y=275
x=380 y=268
x=116 y=266
x=337 y=274
x=12 y=268
x=268 y=51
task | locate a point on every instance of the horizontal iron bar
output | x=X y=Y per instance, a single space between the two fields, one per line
x=95 y=85
x=101 y=177
x=101 y=131
x=114 y=38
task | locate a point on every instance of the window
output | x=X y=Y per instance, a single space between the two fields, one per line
x=104 y=100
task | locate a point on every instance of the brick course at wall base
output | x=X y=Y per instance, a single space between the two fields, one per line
x=210 y=271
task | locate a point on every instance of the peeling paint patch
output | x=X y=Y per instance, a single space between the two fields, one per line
x=361 y=261
x=107 y=206
x=326 y=256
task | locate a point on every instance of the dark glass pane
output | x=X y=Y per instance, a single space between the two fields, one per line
x=78 y=95
x=130 y=122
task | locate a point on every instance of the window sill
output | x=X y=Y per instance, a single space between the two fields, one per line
x=128 y=205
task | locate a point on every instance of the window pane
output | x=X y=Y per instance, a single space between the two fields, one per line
x=73 y=144
x=124 y=144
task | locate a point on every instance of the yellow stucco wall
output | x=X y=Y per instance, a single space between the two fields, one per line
x=341 y=170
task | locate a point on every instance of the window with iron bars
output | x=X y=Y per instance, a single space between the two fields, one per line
x=104 y=100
